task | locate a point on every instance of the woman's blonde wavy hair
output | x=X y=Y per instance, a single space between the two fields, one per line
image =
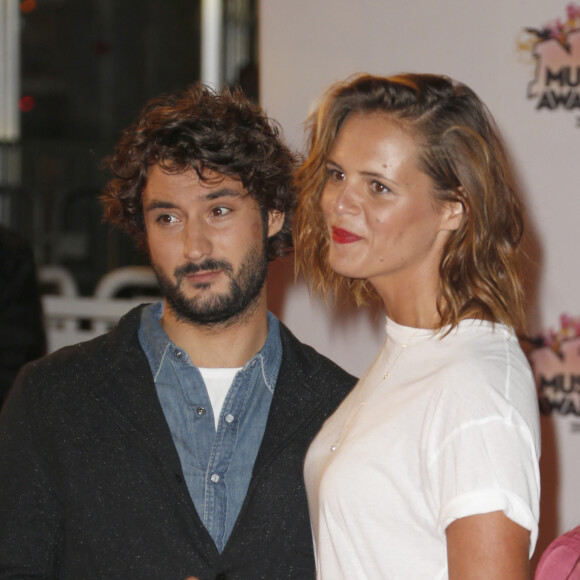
x=461 y=150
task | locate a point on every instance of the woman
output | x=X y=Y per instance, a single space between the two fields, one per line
x=561 y=559
x=429 y=469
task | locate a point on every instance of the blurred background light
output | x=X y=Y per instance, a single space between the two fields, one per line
x=27 y=103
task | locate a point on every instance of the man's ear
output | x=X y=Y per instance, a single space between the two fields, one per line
x=275 y=222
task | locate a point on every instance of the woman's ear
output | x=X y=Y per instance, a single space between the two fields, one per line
x=454 y=211
x=453 y=215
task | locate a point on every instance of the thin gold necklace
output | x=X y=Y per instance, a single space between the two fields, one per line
x=358 y=406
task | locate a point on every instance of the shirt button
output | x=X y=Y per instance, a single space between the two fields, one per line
x=229 y=418
x=215 y=477
x=201 y=410
x=177 y=353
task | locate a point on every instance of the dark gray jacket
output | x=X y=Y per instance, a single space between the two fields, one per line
x=91 y=485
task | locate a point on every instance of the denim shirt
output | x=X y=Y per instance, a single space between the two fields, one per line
x=217 y=465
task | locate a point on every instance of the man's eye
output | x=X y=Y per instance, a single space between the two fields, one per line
x=166 y=218
x=220 y=211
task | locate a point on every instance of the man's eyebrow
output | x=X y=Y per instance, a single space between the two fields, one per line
x=159 y=204
x=222 y=192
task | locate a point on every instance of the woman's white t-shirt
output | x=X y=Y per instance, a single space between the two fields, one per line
x=452 y=431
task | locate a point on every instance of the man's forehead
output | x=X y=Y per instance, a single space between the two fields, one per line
x=213 y=177
x=211 y=181
x=171 y=189
x=198 y=172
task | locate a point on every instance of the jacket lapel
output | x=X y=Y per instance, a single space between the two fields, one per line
x=127 y=391
x=295 y=401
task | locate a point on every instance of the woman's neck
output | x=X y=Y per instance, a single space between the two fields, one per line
x=411 y=304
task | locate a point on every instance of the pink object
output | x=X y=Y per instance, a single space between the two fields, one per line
x=561 y=559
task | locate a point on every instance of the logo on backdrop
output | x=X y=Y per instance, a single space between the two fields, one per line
x=555 y=49
x=555 y=359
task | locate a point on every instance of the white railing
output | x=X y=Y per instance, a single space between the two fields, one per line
x=70 y=318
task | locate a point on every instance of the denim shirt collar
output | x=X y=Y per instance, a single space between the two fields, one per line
x=156 y=344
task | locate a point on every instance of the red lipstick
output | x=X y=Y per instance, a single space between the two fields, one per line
x=341 y=236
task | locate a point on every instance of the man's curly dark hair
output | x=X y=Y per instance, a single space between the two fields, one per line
x=201 y=129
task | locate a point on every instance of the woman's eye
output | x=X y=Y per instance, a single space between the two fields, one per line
x=335 y=175
x=378 y=187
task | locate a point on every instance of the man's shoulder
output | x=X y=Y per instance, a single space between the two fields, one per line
x=309 y=363
x=87 y=361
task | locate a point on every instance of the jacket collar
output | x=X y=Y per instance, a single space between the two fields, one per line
x=304 y=390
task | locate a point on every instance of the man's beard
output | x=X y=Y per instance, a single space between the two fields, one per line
x=225 y=309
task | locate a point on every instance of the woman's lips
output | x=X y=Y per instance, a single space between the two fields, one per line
x=341 y=236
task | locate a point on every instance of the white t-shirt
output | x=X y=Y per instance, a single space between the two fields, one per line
x=452 y=431
x=218 y=382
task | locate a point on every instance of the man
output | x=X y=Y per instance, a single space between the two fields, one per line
x=173 y=446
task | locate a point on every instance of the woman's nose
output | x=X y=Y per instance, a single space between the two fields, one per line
x=340 y=200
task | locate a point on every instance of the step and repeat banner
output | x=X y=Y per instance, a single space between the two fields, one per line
x=523 y=59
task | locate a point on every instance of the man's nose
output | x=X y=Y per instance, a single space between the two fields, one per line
x=197 y=242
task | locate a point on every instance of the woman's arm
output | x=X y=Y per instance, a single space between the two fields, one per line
x=487 y=546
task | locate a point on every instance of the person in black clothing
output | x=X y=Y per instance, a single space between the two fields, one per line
x=22 y=336
x=173 y=446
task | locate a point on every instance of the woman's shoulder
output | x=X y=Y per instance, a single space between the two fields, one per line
x=482 y=361
x=479 y=346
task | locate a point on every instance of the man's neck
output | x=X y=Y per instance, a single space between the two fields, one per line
x=220 y=346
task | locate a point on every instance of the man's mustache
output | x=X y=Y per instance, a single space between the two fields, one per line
x=206 y=265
